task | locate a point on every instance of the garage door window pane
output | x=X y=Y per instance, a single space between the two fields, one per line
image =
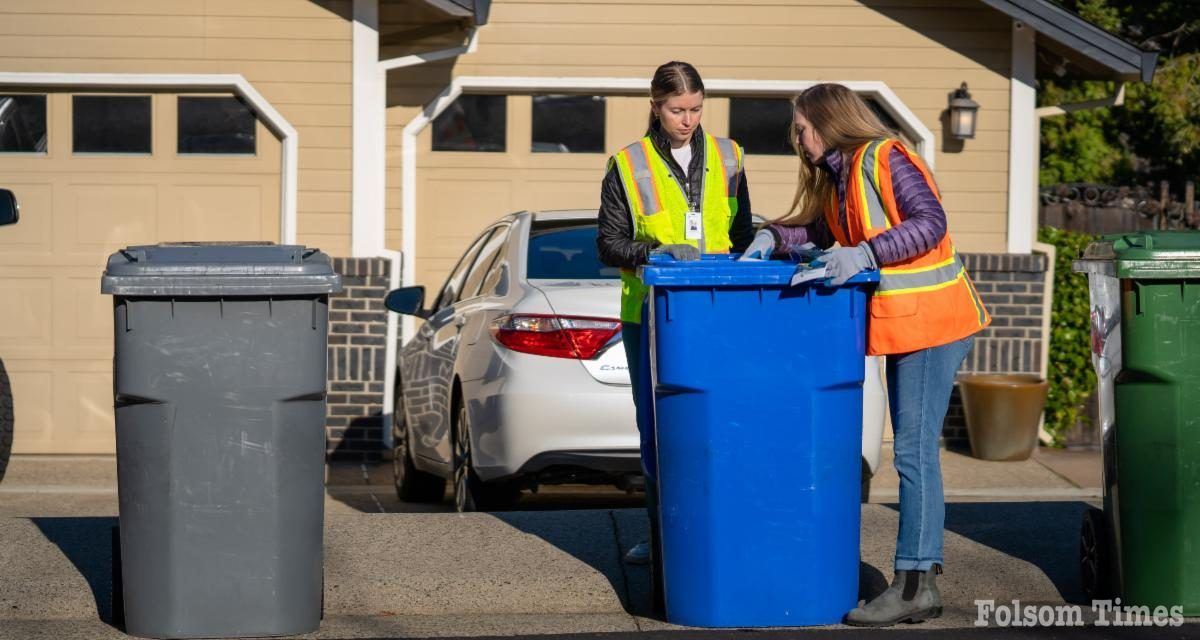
x=568 y=124
x=472 y=123
x=215 y=125
x=761 y=125
x=111 y=124
x=22 y=124
x=888 y=120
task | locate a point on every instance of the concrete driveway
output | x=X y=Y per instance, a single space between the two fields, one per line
x=399 y=570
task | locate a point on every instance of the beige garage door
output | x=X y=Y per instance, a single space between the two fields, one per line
x=76 y=209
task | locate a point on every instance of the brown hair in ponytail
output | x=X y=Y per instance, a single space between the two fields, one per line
x=674 y=78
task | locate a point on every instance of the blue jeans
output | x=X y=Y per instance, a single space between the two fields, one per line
x=919 y=386
x=637 y=355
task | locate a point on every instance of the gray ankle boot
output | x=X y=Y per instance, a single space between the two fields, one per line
x=912 y=597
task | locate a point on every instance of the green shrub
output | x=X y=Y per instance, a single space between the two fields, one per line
x=1072 y=379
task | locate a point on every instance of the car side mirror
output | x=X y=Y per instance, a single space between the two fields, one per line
x=409 y=301
x=10 y=212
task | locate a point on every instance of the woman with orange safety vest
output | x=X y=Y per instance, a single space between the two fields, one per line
x=862 y=188
x=678 y=191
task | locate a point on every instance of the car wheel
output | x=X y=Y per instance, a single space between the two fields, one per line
x=471 y=493
x=412 y=484
x=1094 y=556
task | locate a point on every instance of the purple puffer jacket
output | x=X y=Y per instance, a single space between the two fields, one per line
x=922 y=228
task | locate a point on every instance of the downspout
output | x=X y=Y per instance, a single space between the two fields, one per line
x=1115 y=100
x=402 y=262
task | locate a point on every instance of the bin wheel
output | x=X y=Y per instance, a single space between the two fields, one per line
x=471 y=493
x=6 y=420
x=1095 y=555
x=412 y=484
x=117 y=593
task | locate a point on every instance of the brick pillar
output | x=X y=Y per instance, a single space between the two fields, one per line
x=1012 y=288
x=357 y=341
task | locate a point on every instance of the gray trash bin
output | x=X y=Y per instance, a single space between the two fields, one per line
x=219 y=384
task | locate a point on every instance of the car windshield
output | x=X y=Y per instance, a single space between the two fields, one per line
x=566 y=250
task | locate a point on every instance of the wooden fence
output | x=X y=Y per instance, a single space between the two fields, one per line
x=1098 y=209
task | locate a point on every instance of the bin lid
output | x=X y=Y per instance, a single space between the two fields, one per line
x=1144 y=254
x=183 y=269
x=725 y=270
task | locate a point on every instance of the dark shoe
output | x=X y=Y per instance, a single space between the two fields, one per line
x=913 y=597
x=640 y=554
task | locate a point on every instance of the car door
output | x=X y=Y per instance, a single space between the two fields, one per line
x=427 y=367
x=480 y=303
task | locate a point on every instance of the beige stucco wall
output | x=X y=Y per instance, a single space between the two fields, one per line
x=296 y=53
x=922 y=49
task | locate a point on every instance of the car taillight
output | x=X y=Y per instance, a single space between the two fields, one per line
x=554 y=336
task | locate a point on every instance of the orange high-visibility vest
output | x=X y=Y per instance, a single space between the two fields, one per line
x=925 y=301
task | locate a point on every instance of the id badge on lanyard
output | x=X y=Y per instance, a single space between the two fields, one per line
x=691 y=225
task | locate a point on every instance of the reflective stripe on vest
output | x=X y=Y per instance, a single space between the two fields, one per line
x=868 y=191
x=646 y=199
x=913 y=279
x=731 y=162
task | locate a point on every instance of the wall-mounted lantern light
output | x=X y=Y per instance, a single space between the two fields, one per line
x=962 y=113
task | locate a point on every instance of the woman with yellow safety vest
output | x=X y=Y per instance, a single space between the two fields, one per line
x=862 y=188
x=677 y=191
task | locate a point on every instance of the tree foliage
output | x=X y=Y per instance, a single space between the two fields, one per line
x=1156 y=134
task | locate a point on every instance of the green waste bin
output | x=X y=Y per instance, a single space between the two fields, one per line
x=1145 y=315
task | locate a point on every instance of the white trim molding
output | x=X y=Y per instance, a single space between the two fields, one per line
x=1023 y=141
x=887 y=98
x=193 y=83
x=368 y=213
x=369 y=161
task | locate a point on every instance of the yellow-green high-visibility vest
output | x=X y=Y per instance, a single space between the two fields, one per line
x=658 y=204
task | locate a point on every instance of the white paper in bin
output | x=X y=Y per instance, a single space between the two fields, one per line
x=874 y=413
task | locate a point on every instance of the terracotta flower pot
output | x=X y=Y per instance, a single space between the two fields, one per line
x=1003 y=411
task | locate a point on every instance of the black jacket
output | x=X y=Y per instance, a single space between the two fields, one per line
x=615 y=238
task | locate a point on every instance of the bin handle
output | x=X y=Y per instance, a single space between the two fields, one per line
x=1140 y=240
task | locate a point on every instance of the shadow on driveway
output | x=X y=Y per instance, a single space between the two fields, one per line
x=88 y=544
x=1044 y=534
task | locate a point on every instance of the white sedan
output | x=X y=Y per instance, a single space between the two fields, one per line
x=517 y=375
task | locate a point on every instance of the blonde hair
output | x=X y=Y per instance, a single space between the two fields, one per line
x=674 y=78
x=842 y=121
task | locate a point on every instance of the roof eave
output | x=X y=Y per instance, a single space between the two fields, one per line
x=1124 y=60
x=475 y=11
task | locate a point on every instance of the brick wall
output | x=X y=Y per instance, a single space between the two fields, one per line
x=1012 y=288
x=357 y=341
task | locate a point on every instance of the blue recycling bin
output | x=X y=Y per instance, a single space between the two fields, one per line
x=758 y=412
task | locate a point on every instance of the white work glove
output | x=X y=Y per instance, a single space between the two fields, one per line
x=844 y=263
x=761 y=247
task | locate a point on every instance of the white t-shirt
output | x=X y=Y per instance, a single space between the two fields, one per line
x=683 y=156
